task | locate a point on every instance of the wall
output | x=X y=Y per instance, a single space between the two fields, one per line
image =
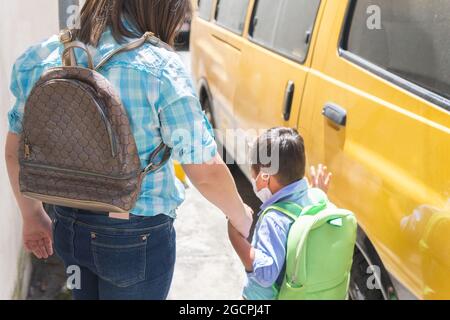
x=22 y=23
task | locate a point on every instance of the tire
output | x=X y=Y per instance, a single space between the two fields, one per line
x=206 y=106
x=358 y=289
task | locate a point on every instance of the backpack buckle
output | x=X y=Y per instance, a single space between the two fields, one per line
x=66 y=36
x=150 y=37
x=148 y=168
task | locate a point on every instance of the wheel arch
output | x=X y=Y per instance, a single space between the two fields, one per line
x=391 y=288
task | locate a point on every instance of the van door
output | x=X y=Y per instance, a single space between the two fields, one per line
x=381 y=124
x=273 y=67
x=221 y=48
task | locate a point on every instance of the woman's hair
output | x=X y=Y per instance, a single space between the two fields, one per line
x=162 y=17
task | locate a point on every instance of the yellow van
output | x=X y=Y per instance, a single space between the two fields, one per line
x=367 y=83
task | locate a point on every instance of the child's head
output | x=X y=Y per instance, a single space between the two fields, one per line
x=277 y=160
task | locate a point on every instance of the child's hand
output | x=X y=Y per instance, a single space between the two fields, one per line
x=242 y=247
x=320 y=178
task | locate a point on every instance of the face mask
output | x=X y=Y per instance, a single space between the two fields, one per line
x=264 y=194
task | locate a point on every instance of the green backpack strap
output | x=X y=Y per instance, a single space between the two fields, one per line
x=294 y=210
x=290 y=209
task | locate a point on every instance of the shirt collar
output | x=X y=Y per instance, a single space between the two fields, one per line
x=108 y=43
x=293 y=188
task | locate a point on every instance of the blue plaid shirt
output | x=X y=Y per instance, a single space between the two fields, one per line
x=161 y=102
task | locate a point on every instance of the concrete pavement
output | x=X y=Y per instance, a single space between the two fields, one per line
x=207 y=267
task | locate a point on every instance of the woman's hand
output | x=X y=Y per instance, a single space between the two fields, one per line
x=216 y=184
x=38 y=235
x=320 y=177
x=37 y=226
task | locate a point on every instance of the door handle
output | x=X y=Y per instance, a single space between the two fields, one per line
x=288 y=98
x=335 y=114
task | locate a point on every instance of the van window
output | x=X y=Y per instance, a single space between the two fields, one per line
x=204 y=9
x=407 y=38
x=231 y=14
x=284 y=26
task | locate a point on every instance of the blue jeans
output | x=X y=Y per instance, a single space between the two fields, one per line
x=116 y=259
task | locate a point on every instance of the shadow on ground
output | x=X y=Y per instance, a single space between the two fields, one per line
x=48 y=280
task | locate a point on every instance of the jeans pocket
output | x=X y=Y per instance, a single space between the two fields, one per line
x=120 y=260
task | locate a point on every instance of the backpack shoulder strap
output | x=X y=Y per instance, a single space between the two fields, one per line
x=69 y=58
x=290 y=209
x=294 y=210
x=165 y=152
x=68 y=55
x=148 y=37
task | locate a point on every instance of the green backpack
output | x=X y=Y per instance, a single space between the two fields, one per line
x=319 y=252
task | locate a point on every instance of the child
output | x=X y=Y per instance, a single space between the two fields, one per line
x=281 y=179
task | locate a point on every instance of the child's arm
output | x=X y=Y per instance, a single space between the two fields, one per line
x=264 y=261
x=243 y=248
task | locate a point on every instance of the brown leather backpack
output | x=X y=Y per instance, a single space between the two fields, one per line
x=77 y=149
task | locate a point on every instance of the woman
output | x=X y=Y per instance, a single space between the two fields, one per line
x=128 y=259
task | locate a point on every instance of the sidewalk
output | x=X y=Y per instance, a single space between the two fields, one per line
x=207 y=267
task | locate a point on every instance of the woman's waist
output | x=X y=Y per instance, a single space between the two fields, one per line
x=101 y=220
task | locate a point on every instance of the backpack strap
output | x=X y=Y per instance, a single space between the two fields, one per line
x=72 y=60
x=163 y=150
x=290 y=209
x=148 y=37
x=69 y=58
x=294 y=210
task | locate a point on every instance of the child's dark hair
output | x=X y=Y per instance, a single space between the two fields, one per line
x=284 y=145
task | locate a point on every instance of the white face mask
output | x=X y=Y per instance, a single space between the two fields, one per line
x=264 y=194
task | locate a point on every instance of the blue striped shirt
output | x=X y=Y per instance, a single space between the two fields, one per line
x=159 y=97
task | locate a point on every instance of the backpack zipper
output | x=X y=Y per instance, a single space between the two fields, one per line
x=27 y=149
x=80 y=172
x=111 y=135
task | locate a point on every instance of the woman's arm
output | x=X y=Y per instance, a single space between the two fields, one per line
x=215 y=183
x=37 y=226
